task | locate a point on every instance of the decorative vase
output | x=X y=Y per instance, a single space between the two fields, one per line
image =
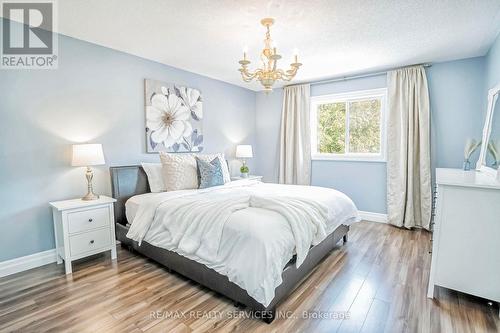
x=466 y=165
x=244 y=170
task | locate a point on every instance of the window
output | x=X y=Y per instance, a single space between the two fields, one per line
x=349 y=126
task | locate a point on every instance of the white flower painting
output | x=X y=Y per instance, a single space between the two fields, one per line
x=173 y=118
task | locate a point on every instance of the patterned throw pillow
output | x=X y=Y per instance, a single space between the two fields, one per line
x=210 y=173
x=179 y=171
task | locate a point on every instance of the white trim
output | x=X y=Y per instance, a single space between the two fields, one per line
x=373 y=217
x=346 y=97
x=366 y=157
x=20 y=264
x=35 y=260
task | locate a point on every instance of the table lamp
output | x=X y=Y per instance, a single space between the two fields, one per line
x=243 y=152
x=88 y=155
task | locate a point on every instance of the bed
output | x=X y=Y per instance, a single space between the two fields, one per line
x=130 y=188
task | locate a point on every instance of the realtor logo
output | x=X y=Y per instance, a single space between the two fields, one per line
x=27 y=38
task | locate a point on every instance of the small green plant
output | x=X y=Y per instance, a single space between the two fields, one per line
x=244 y=169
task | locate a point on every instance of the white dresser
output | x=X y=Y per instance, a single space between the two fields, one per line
x=466 y=239
x=83 y=228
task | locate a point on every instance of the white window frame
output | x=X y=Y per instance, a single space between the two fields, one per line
x=347 y=97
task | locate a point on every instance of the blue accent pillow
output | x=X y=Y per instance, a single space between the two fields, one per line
x=210 y=174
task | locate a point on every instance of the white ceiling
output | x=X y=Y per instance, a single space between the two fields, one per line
x=334 y=37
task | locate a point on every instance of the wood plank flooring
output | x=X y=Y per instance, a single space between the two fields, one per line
x=377 y=282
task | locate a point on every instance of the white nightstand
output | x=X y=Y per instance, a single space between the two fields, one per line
x=252 y=177
x=83 y=228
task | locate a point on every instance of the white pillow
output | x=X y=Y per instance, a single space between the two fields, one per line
x=154 y=172
x=180 y=170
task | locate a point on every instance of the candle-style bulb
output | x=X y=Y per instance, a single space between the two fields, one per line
x=245 y=50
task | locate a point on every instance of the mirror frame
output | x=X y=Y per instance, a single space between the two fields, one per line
x=493 y=97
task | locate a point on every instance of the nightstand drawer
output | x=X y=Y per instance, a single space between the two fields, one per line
x=89 y=241
x=88 y=219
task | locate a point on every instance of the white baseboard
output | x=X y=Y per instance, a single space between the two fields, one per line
x=373 y=217
x=20 y=264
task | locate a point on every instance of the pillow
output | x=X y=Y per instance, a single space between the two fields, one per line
x=225 y=170
x=155 y=176
x=210 y=173
x=180 y=169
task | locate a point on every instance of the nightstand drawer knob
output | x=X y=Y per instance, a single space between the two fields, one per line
x=92 y=241
x=90 y=220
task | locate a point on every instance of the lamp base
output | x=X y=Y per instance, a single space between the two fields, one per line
x=90 y=191
x=90 y=196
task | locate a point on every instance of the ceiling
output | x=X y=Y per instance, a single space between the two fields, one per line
x=334 y=37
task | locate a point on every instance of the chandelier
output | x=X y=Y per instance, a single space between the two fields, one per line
x=269 y=73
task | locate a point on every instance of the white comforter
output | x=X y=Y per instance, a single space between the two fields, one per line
x=246 y=230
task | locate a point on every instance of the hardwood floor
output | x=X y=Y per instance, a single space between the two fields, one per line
x=377 y=281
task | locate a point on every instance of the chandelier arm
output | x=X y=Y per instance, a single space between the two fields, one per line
x=246 y=73
x=288 y=75
x=249 y=76
x=293 y=69
x=279 y=73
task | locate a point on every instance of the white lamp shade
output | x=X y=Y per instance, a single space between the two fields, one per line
x=87 y=154
x=244 y=151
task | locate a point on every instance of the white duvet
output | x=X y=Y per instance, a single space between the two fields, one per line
x=246 y=230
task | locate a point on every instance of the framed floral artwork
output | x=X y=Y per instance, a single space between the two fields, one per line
x=174 y=117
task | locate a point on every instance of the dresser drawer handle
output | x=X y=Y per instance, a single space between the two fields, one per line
x=92 y=241
x=90 y=220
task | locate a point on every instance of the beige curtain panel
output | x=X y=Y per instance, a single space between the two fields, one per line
x=295 y=137
x=408 y=153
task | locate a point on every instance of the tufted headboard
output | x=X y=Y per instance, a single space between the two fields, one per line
x=126 y=181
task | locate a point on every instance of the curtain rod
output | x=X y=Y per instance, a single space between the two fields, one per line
x=345 y=78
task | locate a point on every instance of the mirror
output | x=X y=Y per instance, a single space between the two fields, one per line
x=489 y=158
x=493 y=148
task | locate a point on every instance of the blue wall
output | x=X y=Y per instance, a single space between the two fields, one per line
x=493 y=64
x=457 y=98
x=96 y=95
x=268 y=121
x=458 y=105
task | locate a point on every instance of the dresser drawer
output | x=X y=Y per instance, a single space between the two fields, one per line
x=89 y=241
x=88 y=219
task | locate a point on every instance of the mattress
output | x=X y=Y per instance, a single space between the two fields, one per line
x=132 y=205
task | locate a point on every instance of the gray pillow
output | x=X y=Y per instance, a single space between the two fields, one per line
x=210 y=173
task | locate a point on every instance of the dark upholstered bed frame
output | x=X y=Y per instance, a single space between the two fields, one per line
x=128 y=181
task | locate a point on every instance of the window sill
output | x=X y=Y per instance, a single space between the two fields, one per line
x=349 y=159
